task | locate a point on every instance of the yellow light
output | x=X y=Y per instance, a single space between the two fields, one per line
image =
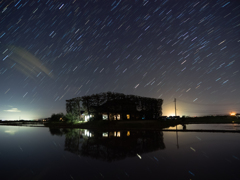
x=118 y=134
x=233 y=114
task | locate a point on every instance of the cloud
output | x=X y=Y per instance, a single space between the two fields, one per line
x=13 y=110
x=27 y=63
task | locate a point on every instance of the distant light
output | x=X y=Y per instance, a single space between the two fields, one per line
x=233 y=114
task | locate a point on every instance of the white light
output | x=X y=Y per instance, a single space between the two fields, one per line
x=139 y=156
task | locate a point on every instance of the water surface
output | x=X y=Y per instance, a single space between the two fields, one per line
x=224 y=127
x=43 y=153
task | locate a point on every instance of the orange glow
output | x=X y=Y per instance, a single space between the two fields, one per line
x=233 y=114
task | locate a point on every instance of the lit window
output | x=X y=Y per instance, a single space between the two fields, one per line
x=105 y=134
x=105 y=116
x=128 y=116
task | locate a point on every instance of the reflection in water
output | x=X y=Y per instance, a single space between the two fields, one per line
x=35 y=153
x=184 y=127
x=112 y=145
x=10 y=132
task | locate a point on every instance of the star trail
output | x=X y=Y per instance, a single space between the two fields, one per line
x=52 y=50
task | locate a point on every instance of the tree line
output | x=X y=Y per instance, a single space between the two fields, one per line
x=112 y=104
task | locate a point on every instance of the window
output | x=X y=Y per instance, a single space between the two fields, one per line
x=105 y=117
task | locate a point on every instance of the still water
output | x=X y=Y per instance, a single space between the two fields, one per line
x=43 y=153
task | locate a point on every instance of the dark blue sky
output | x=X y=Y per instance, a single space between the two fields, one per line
x=51 y=51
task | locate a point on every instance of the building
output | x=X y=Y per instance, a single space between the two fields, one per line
x=116 y=106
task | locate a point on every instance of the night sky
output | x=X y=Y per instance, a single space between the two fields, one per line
x=52 y=50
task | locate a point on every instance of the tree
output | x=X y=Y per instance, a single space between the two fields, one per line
x=57 y=117
x=87 y=103
x=116 y=103
x=70 y=117
x=73 y=106
x=77 y=102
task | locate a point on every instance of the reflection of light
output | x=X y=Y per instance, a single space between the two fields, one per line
x=233 y=114
x=139 y=156
x=174 y=127
x=10 y=132
x=87 y=133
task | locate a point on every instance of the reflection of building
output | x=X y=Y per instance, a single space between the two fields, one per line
x=116 y=145
x=238 y=115
x=111 y=145
x=115 y=134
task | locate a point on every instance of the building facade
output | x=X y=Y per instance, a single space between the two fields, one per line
x=116 y=106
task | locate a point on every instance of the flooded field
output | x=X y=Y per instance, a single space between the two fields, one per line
x=50 y=153
x=223 y=127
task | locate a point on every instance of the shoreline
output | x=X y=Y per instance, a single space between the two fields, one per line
x=127 y=125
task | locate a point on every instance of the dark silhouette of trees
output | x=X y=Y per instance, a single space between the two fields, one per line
x=70 y=117
x=57 y=117
x=73 y=106
x=112 y=104
x=87 y=103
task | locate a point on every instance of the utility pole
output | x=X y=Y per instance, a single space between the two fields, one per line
x=175 y=101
